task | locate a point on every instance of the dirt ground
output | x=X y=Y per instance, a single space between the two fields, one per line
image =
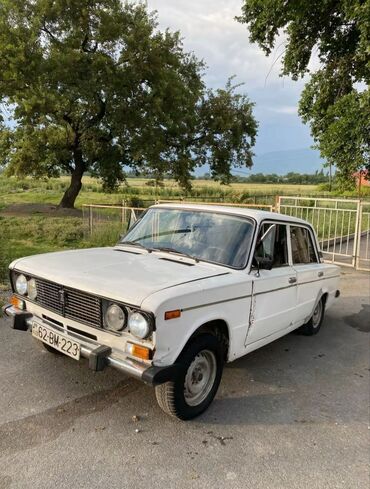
x=39 y=209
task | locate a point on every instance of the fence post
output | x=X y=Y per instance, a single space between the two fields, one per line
x=90 y=220
x=123 y=212
x=357 y=241
x=277 y=203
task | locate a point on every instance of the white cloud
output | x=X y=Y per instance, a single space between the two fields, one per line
x=210 y=30
x=286 y=109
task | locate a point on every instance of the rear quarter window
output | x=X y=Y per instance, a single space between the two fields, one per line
x=303 y=248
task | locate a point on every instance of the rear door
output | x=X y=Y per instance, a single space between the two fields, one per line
x=309 y=269
x=274 y=291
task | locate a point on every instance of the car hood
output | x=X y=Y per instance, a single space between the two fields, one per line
x=120 y=273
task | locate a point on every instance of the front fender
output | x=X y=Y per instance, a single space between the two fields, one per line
x=167 y=352
x=225 y=298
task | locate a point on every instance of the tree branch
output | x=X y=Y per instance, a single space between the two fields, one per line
x=50 y=34
x=84 y=45
x=99 y=116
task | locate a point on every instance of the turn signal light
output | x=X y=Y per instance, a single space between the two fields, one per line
x=16 y=302
x=139 y=351
x=172 y=314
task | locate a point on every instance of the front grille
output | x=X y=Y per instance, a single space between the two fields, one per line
x=48 y=295
x=82 y=307
x=70 y=303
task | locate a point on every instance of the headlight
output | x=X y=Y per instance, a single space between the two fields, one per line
x=21 y=285
x=114 y=317
x=32 y=292
x=139 y=325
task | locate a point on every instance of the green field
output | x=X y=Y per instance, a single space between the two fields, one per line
x=28 y=191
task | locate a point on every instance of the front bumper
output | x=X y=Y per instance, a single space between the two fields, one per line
x=99 y=356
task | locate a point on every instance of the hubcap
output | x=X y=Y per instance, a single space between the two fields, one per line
x=316 y=317
x=200 y=377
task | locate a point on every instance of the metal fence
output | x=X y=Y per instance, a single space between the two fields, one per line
x=107 y=222
x=342 y=226
x=363 y=242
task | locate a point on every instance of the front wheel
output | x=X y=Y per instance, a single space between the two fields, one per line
x=314 y=324
x=196 y=384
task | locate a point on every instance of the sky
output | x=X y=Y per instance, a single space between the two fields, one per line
x=209 y=30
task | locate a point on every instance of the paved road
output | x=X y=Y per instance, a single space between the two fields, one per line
x=291 y=415
x=346 y=248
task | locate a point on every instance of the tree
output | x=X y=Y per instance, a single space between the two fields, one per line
x=94 y=85
x=336 y=99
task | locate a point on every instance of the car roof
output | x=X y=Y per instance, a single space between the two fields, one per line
x=256 y=214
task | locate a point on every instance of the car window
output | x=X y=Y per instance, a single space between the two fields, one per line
x=303 y=250
x=209 y=236
x=272 y=244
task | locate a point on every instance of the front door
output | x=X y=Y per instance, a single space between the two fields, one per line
x=273 y=308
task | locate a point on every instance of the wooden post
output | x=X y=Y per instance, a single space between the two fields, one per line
x=125 y=217
x=123 y=213
x=90 y=220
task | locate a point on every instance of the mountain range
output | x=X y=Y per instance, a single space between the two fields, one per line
x=302 y=160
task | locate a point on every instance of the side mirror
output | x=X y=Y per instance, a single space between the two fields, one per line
x=264 y=263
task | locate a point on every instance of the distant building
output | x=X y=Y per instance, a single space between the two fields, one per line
x=362 y=178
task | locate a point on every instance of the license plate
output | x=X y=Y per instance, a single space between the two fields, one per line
x=58 y=341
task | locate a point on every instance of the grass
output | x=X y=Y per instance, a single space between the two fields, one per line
x=32 y=191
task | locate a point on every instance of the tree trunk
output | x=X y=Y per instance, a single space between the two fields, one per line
x=70 y=195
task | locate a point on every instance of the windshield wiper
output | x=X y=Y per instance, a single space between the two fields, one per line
x=177 y=252
x=137 y=244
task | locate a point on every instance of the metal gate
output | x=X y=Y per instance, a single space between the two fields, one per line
x=342 y=227
x=363 y=242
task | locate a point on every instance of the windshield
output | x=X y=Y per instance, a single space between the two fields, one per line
x=207 y=236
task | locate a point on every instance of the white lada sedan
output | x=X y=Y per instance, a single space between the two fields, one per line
x=188 y=288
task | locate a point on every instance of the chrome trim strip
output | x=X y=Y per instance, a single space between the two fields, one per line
x=215 y=303
x=236 y=298
x=257 y=293
x=277 y=289
x=318 y=280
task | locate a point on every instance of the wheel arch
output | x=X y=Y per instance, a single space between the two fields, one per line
x=219 y=328
x=325 y=296
x=322 y=295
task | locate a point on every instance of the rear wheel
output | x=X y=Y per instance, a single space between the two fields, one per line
x=196 y=384
x=314 y=324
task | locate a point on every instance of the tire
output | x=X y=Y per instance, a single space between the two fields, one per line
x=195 y=386
x=50 y=349
x=313 y=326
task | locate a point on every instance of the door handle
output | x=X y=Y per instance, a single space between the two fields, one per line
x=320 y=274
x=292 y=280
